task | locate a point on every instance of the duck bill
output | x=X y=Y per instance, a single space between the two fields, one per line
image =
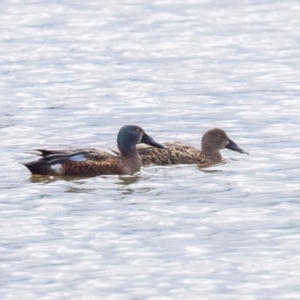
x=234 y=147
x=146 y=139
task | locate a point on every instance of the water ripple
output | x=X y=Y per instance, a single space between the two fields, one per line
x=73 y=73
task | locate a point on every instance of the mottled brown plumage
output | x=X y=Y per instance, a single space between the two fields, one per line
x=112 y=165
x=90 y=162
x=97 y=162
x=178 y=153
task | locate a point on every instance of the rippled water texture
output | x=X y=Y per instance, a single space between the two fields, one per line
x=73 y=72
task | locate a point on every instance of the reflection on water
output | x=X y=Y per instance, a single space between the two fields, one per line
x=73 y=73
x=207 y=167
x=127 y=180
x=123 y=181
x=49 y=179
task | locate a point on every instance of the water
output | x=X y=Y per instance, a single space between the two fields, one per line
x=73 y=73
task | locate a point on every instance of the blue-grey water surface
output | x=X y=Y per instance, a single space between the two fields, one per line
x=73 y=72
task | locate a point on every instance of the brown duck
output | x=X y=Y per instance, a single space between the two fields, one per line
x=178 y=153
x=90 y=162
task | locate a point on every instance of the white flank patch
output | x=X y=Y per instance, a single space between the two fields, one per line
x=57 y=168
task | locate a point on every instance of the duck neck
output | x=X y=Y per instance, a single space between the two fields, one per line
x=132 y=160
x=211 y=153
x=129 y=151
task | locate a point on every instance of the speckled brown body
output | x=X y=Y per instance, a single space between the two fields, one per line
x=88 y=162
x=97 y=163
x=177 y=153
x=89 y=168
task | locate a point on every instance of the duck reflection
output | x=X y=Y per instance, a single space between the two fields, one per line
x=205 y=167
x=49 y=179
x=127 y=180
x=121 y=183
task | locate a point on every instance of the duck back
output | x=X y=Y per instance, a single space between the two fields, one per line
x=176 y=153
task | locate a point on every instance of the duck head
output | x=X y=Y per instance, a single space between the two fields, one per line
x=216 y=139
x=131 y=135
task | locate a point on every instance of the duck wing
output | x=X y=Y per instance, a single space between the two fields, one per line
x=62 y=162
x=79 y=154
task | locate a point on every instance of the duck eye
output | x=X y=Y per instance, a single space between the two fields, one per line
x=138 y=130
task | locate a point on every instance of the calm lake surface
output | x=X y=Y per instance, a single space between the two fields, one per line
x=72 y=73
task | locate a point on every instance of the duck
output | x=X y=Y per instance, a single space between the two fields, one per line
x=212 y=142
x=90 y=162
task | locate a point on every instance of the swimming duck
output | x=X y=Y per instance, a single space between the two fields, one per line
x=178 y=153
x=90 y=162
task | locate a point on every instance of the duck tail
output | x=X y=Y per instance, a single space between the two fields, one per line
x=37 y=167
